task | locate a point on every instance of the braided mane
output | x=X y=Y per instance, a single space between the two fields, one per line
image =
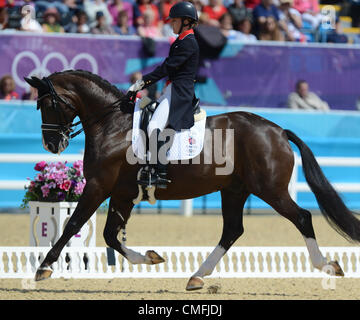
x=106 y=85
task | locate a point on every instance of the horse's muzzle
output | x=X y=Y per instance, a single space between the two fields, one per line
x=55 y=142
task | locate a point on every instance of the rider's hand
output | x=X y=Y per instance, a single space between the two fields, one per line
x=137 y=86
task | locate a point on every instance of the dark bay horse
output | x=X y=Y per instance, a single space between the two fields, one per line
x=262 y=165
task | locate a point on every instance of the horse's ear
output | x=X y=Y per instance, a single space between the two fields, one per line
x=37 y=83
x=31 y=82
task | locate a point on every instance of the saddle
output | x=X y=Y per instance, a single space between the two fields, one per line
x=148 y=107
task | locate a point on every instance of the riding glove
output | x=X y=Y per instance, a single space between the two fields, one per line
x=137 y=86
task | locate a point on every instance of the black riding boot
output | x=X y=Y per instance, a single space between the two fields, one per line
x=155 y=173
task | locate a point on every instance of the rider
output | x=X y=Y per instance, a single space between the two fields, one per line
x=175 y=109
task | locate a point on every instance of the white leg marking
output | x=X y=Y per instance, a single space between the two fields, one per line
x=135 y=257
x=210 y=263
x=317 y=259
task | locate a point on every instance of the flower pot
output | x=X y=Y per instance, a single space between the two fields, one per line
x=48 y=220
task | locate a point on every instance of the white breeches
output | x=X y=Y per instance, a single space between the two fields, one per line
x=160 y=117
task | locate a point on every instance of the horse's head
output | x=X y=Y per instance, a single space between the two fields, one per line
x=57 y=113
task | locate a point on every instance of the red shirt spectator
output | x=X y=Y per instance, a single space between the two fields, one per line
x=215 y=10
x=7 y=88
x=251 y=4
x=141 y=7
x=165 y=7
x=311 y=6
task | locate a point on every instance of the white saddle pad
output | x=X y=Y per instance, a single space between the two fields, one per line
x=187 y=143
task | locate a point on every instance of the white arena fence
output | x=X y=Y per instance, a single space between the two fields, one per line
x=295 y=186
x=180 y=262
x=186 y=208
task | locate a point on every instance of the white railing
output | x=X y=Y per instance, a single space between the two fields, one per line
x=186 y=208
x=180 y=262
x=31 y=158
x=295 y=186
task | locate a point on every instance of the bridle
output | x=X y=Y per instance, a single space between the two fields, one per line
x=65 y=129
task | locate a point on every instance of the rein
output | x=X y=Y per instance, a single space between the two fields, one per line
x=65 y=129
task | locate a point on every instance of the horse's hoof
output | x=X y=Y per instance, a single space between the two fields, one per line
x=43 y=273
x=195 y=283
x=337 y=269
x=154 y=257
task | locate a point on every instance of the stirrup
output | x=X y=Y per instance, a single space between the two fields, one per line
x=160 y=180
x=144 y=178
x=149 y=177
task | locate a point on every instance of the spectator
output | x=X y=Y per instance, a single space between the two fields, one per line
x=139 y=9
x=101 y=27
x=261 y=12
x=354 y=13
x=4 y=18
x=148 y=29
x=198 y=5
x=336 y=35
x=73 y=8
x=28 y=21
x=302 y=98
x=238 y=12
x=215 y=10
x=270 y=31
x=291 y=22
x=226 y=27
x=116 y=7
x=310 y=11
x=92 y=7
x=122 y=27
x=51 y=21
x=244 y=29
x=164 y=8
x=41 y=6
x=251 y=4
x=7 y=88
x=78 y=23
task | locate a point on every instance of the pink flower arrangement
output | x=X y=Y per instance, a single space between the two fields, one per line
x=56 y=182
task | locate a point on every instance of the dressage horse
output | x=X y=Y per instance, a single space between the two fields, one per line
x=263 y=162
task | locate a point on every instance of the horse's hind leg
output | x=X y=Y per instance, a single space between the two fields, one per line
x=118 y=215
x=301 y=218
x=232 y=205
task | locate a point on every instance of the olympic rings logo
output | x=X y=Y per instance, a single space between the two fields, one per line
x=41 y=69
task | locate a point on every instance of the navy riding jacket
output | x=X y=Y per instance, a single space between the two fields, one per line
x=181 y=68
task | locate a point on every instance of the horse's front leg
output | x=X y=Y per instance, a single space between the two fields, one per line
x=90 y=200
x=118 y=215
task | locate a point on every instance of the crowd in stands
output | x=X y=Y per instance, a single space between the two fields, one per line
x=300 y=98
x=244 y=20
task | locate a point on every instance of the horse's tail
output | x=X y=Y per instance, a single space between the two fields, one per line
x=331 y=205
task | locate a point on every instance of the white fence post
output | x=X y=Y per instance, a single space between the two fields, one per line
x=187 y=207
